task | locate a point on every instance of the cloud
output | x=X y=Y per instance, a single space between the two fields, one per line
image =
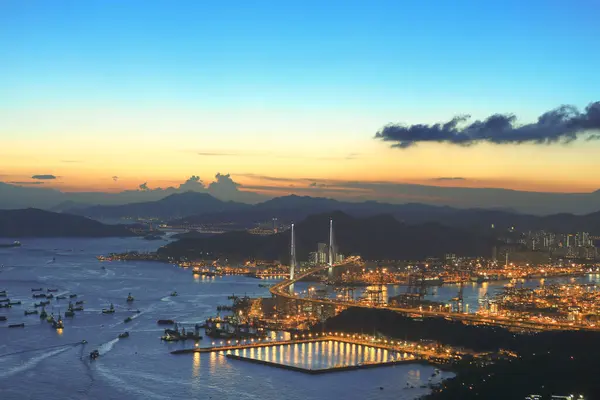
x=561 y=125
x=43 y=177
x=115 y=178
x=27 y=183
x=317 y=185
x=215 y=154
x=193 y=183
x=449 y=178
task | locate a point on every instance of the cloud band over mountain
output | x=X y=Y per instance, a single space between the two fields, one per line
x=561 y=125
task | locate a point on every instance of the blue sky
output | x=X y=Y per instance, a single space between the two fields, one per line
x=307 y=65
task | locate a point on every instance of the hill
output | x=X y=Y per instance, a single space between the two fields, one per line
x=173 y=206
x=32 y=222
x=375 y=237
x=294 y=208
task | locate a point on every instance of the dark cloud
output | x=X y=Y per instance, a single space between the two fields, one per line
x=43 y=177
x=449 y=178
x=27 y=183
x=561 y=125
x=115 y=178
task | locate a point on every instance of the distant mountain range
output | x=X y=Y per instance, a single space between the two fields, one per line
x=34 y=194
x=33 y=222
x=173 y=206
x=374 y=237
x=201 y=208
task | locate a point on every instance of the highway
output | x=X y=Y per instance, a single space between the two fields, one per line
x=282 y=290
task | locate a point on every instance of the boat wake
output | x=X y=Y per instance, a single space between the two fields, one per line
x=32 y=362
x=106 y=347
x=121 y=384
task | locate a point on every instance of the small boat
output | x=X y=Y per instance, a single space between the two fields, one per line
x=39 y=296
x=72 y=296
x=111 y=310
x=165 y=322
x=173 y=294
x=2 y=318
x=50 y=296
x=69 y=313
x=30 y=312
x=128 y=319
x=21 y=325
x=15 y=303
x=37 y=290
x=52 y=290
x=7 y=305
x=123 y=335
x=80 y=308
x=3 y=293
x=130 y=298
x=5 y=301
x=169 y=338
x=58 y=324
x=79 y=302
x=43 y=314
x=62 y=297
x=94 y=354
x=13 y=244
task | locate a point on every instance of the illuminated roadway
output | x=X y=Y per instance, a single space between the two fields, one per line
x=281 y=289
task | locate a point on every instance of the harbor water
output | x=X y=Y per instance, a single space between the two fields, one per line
x=38 y=361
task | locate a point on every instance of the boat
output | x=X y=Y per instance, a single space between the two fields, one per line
x=30 y=312
x=62 y=297
x=21 y=325
x=7 y=305
x=39 y=296
x=111 y=310
x=123 y=335
x=173 y=294
x=37 y=290
x=94 y=354
x=69 y=313
x=16 y=243
x=3 y=293
x=15 y=303
x=52 y=290
x=169 y=338
x=72 y=296
x=50 y=296
x=5 y=301
x=130 y=298
x=80 y=308
x=58 y=324
x=43 y=314
x=77 y=303
x=128 y=319
x=196 y=270
x=2 y=318
x=165 y=322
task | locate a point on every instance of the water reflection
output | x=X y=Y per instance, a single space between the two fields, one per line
x=320 y=355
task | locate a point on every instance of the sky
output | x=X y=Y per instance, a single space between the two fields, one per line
x=287 y=96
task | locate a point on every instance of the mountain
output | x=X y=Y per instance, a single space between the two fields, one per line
x=295 y=208
x=374 y=237
x=32 y=222
x=173 y=206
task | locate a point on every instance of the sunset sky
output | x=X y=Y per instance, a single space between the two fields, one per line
x=106 y=95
